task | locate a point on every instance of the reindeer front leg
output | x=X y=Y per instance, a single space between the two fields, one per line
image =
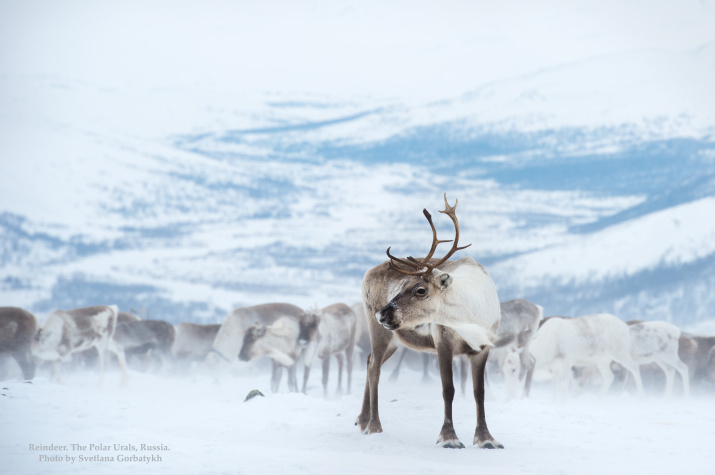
x=382 y=350
x=528 y=363
x=369 y=418
x=121 y=358
x=339 y=357
x=447 y=436
x=24 y=359
x=308 y=355
x=349 y=366
x=482 y=438
x=306 y=373
x=326 y=372
x=101 y=349
x=364 y=416
x=292 y=382
x=57 y=371
x=276 y=375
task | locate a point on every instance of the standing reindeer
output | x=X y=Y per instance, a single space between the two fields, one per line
x=278 y=341
x=326 y=332
x=435 y=305
x=17 y=331
x=519 y=324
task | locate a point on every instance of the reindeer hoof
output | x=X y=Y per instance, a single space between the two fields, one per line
x=448 y=439
x=362 y=424
x=484 y=440
x=451 y=444
x=373 y=427
x=488 y=444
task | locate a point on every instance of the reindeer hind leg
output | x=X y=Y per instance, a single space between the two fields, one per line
x=482 y=438
x=682 y=369
x=339 y=357
x=349 y=367
x=27 y=365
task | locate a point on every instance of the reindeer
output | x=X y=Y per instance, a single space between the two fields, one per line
x=701 y=361
x=65 y=332
x=229 y=337
x=17 y=330
x=519 y=323
x=144 y=338
x=563 y=343
x=657 y=343
x=328 y=331
x=434 y=305
x=125 y=317
x=192 y=341
x=512 y=368
x=278 y=341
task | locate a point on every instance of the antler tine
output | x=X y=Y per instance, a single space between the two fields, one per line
x=435 y=241
x=416 y=264
x=403 y=271
x=411 y=261
x=451 y=212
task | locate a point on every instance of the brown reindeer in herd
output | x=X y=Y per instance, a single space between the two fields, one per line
x=435 y=305
x=17 y=330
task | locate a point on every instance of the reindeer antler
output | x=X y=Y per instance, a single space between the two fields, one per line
x=422 y=267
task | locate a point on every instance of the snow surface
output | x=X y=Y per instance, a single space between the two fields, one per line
x=612 y=252
x=209 y=429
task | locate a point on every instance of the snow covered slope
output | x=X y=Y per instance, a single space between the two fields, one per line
x=628 y=269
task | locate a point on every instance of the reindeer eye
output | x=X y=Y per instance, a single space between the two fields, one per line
x=421 y=291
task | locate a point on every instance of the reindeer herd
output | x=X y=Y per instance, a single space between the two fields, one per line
x=448 y=308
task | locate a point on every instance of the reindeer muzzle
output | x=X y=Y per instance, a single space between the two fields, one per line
x=386 y=317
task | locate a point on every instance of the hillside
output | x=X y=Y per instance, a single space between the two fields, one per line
x=158 y=175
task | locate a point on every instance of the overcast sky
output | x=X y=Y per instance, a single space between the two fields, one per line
x=402 y=49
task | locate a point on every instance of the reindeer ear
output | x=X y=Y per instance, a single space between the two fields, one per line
x=444 y=280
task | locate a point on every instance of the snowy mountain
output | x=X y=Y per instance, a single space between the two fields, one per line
x=585 y=170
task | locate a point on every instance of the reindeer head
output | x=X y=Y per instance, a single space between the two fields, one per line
x=253 y=334
x=38 y=340
x=512 y=363
x=420 y=294
x=308 y=328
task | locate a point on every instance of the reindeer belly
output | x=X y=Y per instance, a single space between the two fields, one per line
x=421 y=339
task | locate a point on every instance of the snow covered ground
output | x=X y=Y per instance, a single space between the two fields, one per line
x=203 y=426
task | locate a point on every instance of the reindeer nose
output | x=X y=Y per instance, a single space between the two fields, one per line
x=380 y=317
x=386 y=317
